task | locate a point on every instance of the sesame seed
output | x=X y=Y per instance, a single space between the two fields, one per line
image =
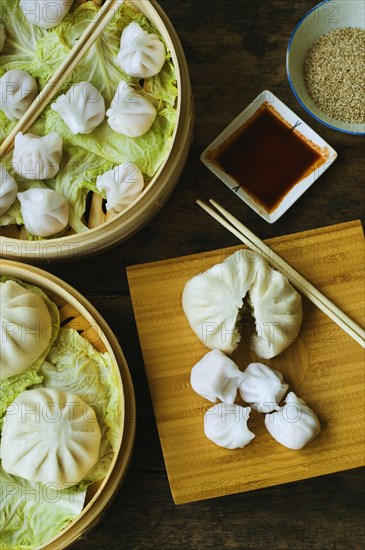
x=334 y=74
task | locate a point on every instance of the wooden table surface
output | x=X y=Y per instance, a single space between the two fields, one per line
x=235 y=49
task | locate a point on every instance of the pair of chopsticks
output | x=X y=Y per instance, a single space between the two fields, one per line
x=297 y=280
x=86 y=40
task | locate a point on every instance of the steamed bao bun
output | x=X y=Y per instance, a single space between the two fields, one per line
x=50 y=436
x=26 y=328
x=212 y=303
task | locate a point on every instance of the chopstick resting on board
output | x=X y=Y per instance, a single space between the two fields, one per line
x=297 y=280
x=84 y=43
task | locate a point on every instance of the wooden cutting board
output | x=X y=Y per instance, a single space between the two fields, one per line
x=324 y=366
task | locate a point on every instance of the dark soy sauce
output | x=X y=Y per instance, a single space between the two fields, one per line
x=267 y=157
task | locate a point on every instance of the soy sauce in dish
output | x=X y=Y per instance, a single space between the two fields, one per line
x=267 y=157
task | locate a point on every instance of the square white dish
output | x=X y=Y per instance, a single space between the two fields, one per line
x=295 y=124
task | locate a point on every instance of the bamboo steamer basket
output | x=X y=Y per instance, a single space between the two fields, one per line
x=77 y=313
x=105 y=232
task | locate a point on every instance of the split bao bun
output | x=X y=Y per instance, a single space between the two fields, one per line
x=213 y=300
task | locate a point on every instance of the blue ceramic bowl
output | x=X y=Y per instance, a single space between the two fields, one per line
x=323 y=18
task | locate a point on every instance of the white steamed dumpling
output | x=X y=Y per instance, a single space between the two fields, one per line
x=45 y=13
x=8 y=190
x=294 y=425
x=130 y=113
x=37 y=157
x=262 y=387
x=44 y=211
x=18 y=89
x=2 y=37
x=213 y=300
x=57 y=440
x=216 y=376
x=141 y=54
x=226 y=425
x=26 y=328
x=122 y=185
x=82 y=108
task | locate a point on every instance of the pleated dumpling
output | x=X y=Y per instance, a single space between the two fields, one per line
x=18 y=89
x=50 y=436
x=226 y=425
x=82 y=108
x=26 y=328
x=141 y=54
x=44 y=211
x=130 y=113
x=122 y=185
x=45 y=13
x=294 y=425
x=277 y=309
x=216 y=376
x=37 y=157
x=8 y=190
x=262 y=387
x=212 y=301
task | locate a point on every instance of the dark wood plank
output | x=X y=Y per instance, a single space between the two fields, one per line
x=310 y=515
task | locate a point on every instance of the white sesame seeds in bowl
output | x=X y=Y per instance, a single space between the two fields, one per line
x=325 y=64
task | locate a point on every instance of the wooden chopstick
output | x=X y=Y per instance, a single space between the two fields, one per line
x=297 y=280
x=86 y=40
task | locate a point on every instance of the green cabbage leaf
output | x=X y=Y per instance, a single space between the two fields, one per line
x=32 y=513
